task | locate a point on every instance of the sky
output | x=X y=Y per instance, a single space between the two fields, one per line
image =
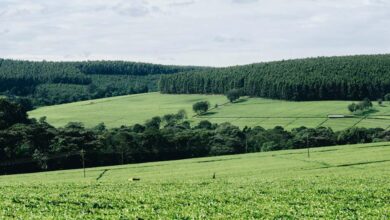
x=192 y=32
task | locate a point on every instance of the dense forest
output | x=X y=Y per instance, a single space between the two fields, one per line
x=46 y=83
x=322 y=78
x=29 y=145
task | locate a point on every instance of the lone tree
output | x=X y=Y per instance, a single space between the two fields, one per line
x=233 y=95
x=352 y=107
x=366 y=103
x=201 y=107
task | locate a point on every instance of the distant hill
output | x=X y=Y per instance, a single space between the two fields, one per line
x=47 y=83
x=322 y=78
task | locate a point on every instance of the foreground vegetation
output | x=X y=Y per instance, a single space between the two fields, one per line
x=323 y=78
x=28 y=145
x=267 y=113
x=344 y=182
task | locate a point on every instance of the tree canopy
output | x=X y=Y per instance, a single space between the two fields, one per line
x=28 y=145
x=322 y=78
x=361 y=106
x=233 y=95
x=47 y=83
x=201 y=107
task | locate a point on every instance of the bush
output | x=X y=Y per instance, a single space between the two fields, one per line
x=361 y=106
x=205 y=125
x=233 y=95
x=201 y=107
x=352 y=107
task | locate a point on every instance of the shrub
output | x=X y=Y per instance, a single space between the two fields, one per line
x=201 y=107
x=233 y=95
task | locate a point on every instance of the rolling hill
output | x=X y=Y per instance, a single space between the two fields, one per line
x=321 y=78
x=343 y=182
x=48 y=83
x=131 y=109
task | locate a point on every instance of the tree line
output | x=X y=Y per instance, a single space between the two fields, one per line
x=30 y=145
x=322 y=78
x=47 y=83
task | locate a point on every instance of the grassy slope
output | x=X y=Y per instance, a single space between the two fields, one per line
x=343 y=182
x=127 y=110
x=121 y=110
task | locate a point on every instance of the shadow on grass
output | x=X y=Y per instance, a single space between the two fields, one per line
x=102 y=174
x=320 y=151
x=361 y=163
x=207 y=114
x=370 y=146
x=241 y=100
x=327 y=166
x=216 y=160
x=367 y=112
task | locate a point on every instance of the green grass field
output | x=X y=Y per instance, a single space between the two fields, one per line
x=342 y=182
x=127 y=110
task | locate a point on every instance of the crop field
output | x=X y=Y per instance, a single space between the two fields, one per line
x=342 y=182
x=128 y=110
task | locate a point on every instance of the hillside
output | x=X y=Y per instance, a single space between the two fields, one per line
x=343 y=182
x=322 y=78
x=47 y=83
x=131 y=109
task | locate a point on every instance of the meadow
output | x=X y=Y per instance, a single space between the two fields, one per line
x=131 y=109
x=342 y=182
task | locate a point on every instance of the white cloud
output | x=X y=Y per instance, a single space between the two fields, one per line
x=181 y=3
x=243 y=1
x=196 y=32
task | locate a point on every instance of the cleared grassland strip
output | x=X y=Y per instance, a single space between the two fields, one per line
x=323 y=122
x=358 y=121
x=261 y=121
x=236 y=119
x=105 y=100
x=292 y=121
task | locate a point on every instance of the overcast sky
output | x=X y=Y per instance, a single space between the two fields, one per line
x=196 y=32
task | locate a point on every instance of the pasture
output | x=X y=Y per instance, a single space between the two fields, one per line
x=131 y=109
x=342 y=182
